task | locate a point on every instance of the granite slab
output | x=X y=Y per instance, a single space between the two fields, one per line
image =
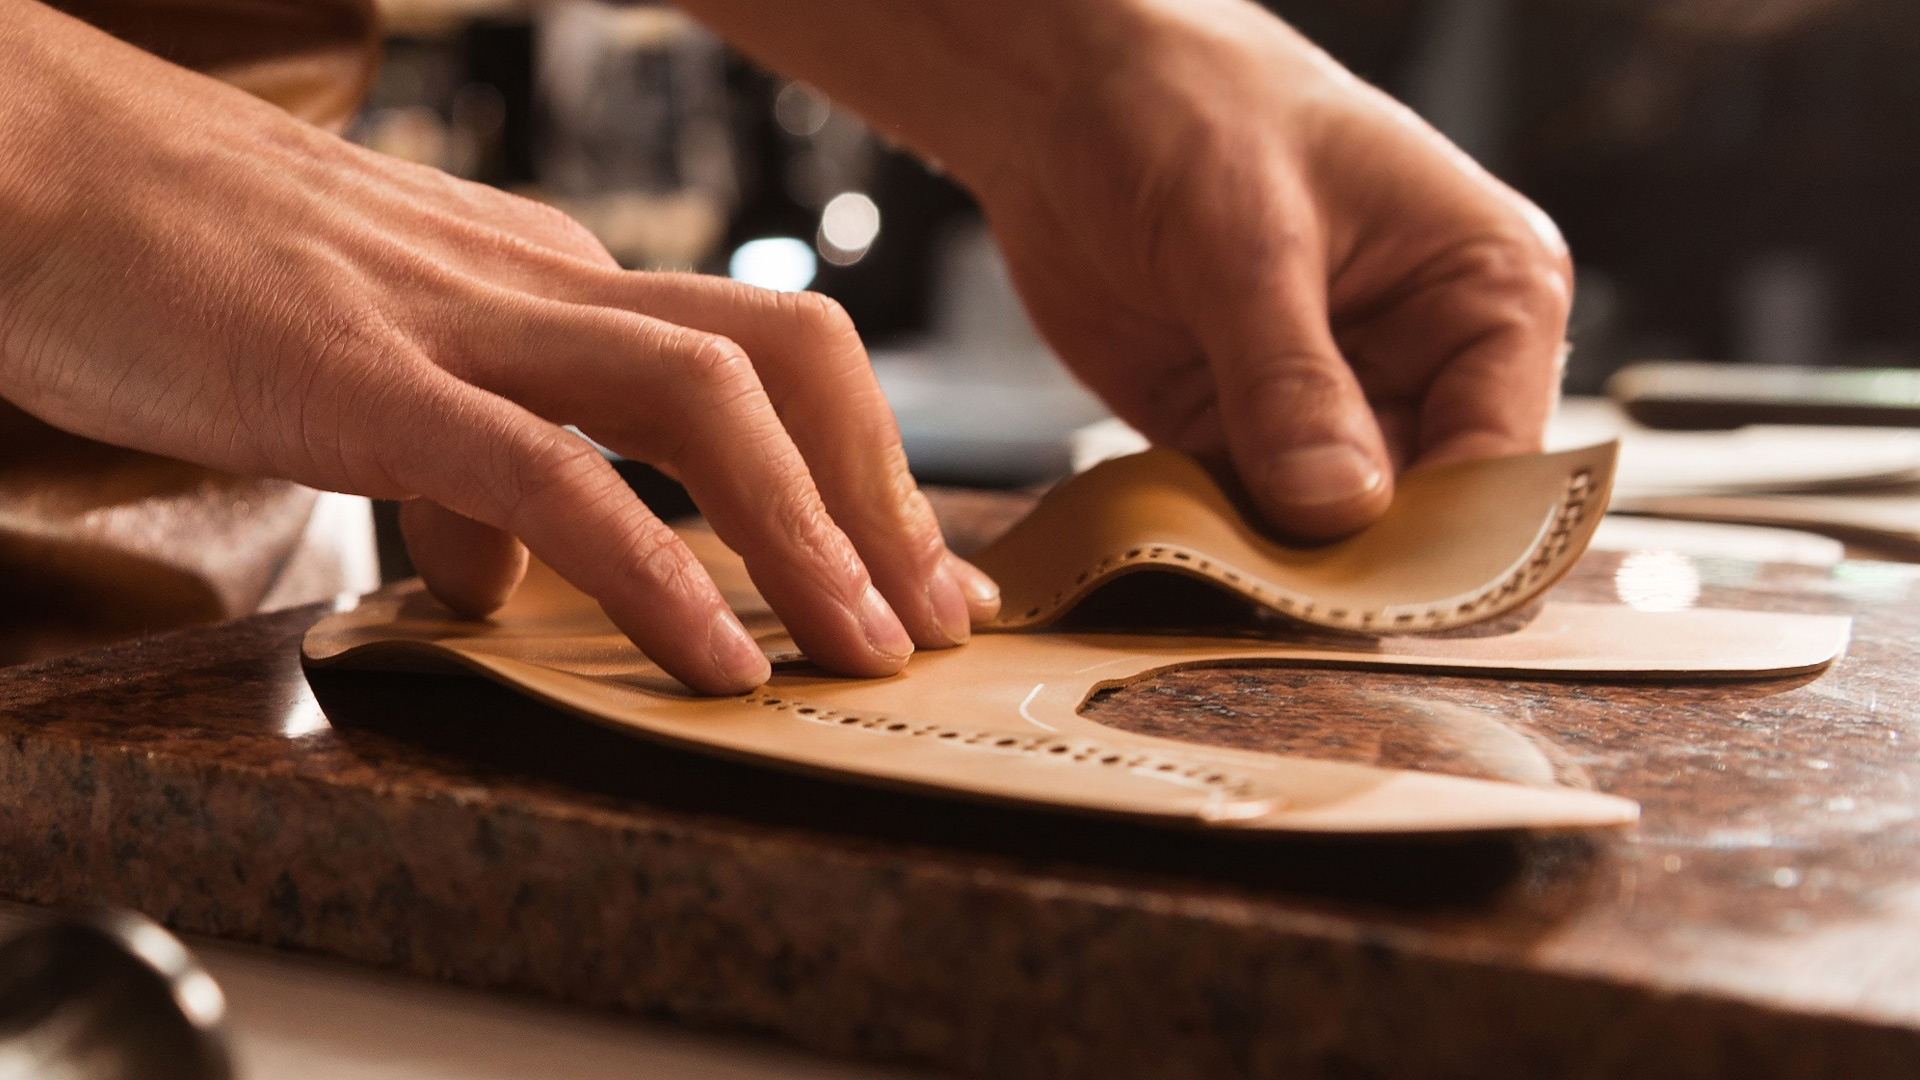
x=1763 y=920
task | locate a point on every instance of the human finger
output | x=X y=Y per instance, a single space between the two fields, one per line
x=981 y=591
x=810 y=359
x=1299 y=428
x=692 y=402
x=489 y=460
x=1464 y=352
x=469 y=566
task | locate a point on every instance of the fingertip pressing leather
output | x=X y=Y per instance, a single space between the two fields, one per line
x=982 y=593
x=999 y=719
x=1461 y=544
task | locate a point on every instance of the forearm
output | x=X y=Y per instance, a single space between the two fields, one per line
x=964 y=82
x=45 y=63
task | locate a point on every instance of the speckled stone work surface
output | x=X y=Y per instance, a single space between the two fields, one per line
x=1763 y=920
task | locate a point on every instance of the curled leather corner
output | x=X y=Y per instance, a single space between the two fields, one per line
x=1461 y=545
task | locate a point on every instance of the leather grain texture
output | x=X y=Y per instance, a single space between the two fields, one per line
x=999 y=719
x=1461 y=544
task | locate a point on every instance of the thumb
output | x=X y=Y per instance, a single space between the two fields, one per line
x=467 y=565
x=1300 y=430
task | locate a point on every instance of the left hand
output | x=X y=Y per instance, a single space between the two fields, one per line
x=1260 y=260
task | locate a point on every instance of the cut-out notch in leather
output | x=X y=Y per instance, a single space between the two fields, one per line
x=1461 y=544
x=999 y=719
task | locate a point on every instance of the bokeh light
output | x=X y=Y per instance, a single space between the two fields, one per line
x=1657 y=581
x=780 y=263
x=848 y=227
x=800 y=110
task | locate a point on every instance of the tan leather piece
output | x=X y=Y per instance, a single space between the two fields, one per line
x=1460 y=545
x=313 y=58
x=98 y=543
x=998 y=719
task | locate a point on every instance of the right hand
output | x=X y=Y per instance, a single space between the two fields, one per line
x=189 y=271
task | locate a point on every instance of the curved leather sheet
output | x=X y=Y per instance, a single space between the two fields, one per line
x=1460 y=545
x=999 y=718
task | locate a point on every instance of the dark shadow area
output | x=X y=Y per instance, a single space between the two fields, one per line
x=484 y=730
x=662 y=494
x=1157 y=601
x=1163 y=602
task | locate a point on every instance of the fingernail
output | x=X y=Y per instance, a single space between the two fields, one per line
x=949 y=605
x=981 y=591
x=1318 y=475
x=885 y=635
x=736 y=656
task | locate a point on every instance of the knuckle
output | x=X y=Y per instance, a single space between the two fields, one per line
x=717 y=365
x=921 y=526
x=898 y=508
x=826 y=326
x=526 y=220
x=357 y=336
x=660 y=558
x=552 y=466
x=1288 y=391
x=1534 y=280
x=336 y=442
x=336 y=378
x=722 y=408
x=569 y=231
x=819 y=315
x=795 y=526
x=800 y=518
x=1298 y=376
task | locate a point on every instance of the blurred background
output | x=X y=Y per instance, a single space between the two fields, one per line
x=1737 y=178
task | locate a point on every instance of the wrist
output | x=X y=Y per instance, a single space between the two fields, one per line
x=1008 y=88
x=1100 y=75
x=973 y=85
x=36 y=79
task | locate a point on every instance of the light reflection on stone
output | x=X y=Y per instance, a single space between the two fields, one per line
x=1657 y=581
x=303 y=715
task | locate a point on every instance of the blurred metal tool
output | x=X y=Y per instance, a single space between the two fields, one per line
x=108 y=996
x=1680 y=395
